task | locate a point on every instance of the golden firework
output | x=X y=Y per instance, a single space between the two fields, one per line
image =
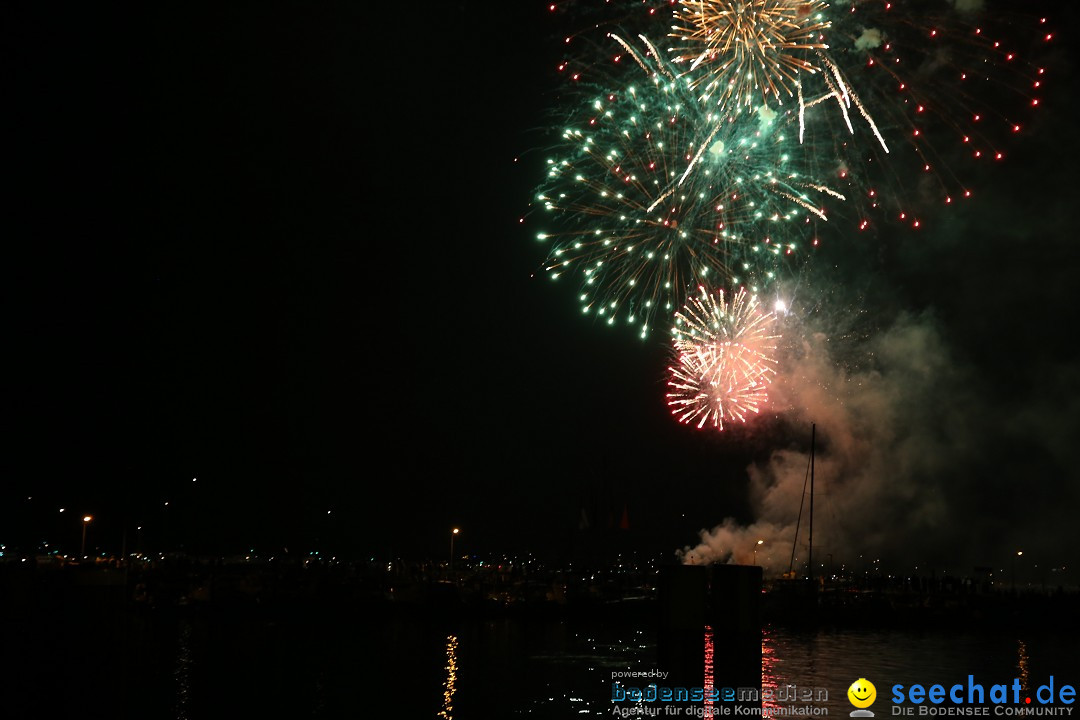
x=751 y=49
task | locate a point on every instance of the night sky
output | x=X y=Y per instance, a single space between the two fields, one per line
x=275 y=247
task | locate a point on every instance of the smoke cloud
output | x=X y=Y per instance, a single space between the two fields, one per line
x=946 y=439
x=766 y=116
x=870 y=38
x=906 y=469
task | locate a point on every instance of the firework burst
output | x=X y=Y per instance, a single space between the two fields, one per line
x=927 y=81
x=655 y=192
x=725 y=359
x=942 y=87
x=755 y=50
x=906 y=97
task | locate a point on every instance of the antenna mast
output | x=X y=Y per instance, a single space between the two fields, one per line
x=810 y=553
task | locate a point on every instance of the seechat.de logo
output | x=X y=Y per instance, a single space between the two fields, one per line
x=862 y=694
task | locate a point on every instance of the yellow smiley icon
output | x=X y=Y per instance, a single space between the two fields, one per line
x=862 y=693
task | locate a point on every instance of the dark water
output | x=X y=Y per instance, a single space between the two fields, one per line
x=338 y=663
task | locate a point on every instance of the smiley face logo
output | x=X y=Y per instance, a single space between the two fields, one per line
x=862 y=693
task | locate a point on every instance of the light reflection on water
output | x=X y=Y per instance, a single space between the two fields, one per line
x=824 y=662
x=768 y=666
x=833 y=659
x=558 y=668
x=450 y=684
x=710 y=662
x=182 y=671
x=1022 y=665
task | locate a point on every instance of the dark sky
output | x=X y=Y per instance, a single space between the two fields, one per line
x=275 y=247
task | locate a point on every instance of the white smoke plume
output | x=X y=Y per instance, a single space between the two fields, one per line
x=872 y=435
x=766 y=116
x=870 y=38
x=901 y=441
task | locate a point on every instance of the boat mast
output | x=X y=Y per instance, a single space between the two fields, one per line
x=810 y=553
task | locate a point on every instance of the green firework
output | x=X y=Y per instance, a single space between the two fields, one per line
x=655 y=191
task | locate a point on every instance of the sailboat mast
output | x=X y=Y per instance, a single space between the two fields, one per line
x=810 y=553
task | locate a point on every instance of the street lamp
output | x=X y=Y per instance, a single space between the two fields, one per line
x=759 y=542
x=453 y=533
x=1019 y=553
x=85 y=521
